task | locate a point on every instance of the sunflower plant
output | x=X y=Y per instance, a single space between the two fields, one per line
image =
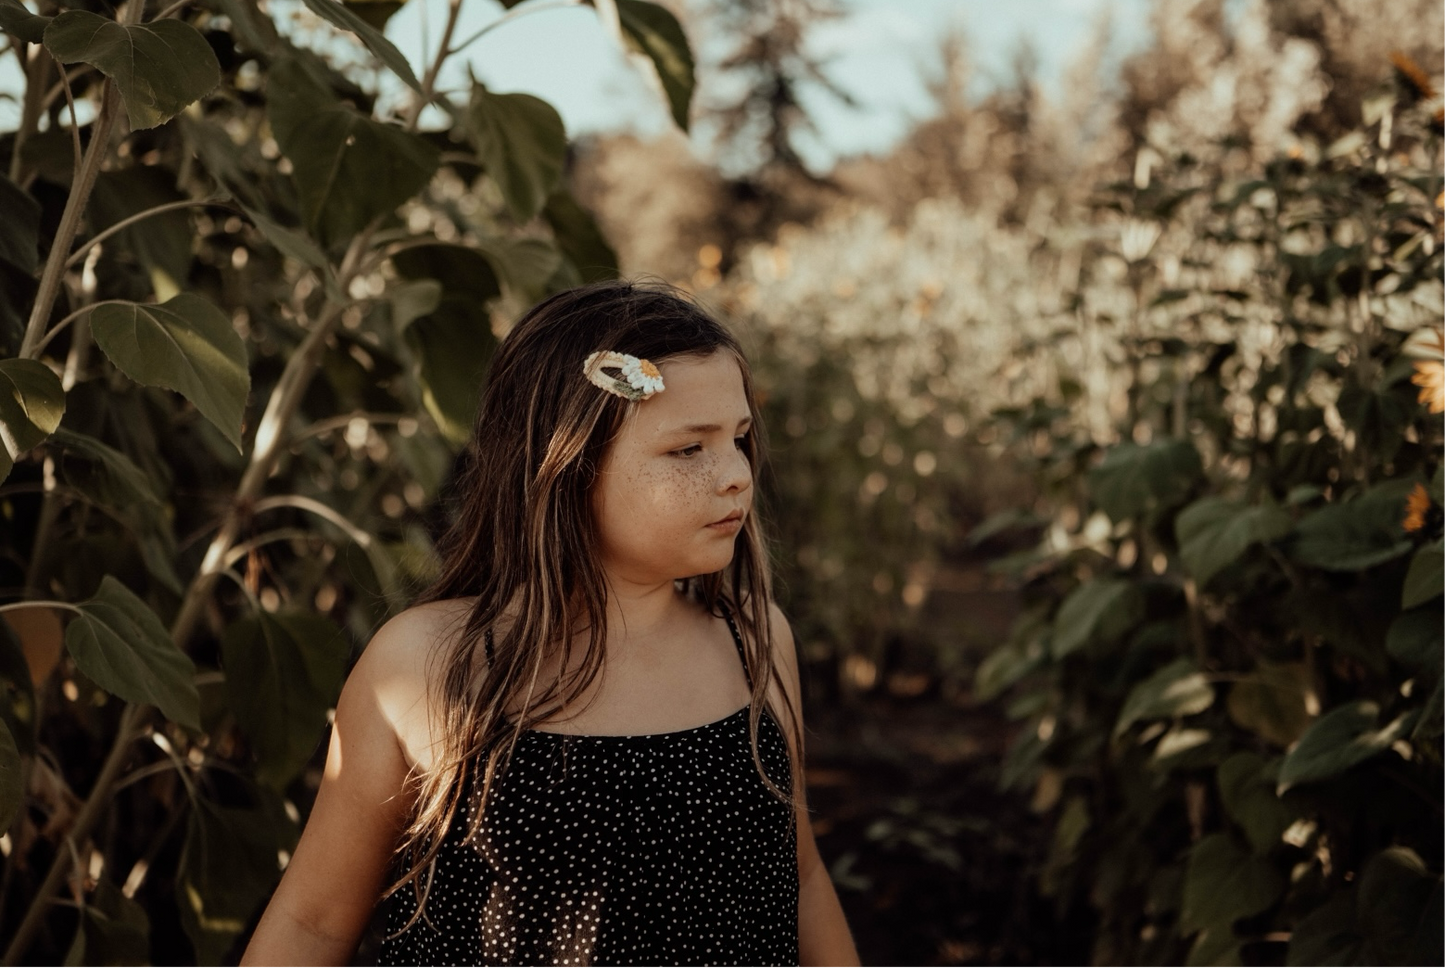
x=250 y=260
x=1228 y=674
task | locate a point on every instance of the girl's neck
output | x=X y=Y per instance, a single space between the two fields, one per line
x=641 y=616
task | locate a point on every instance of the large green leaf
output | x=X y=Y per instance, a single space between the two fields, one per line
x=17 y=295
x=1135 y=479
x=118 y=642
x=1432 y=716
x=12 y=789
x=1225 y=882
x=653 y=32
x=289 y=242
x=1006 y=666
x=228 y=868
x=1214 y=946
x=580 y=240
x=1271 y=702
x=19 y=22
x=385 y=51
x=125 y=483
x=112 y=480
x=184 y=344
x=1428 y=939
x=454 y=342
x=161 y=67
x=115 y=930
x=1400 y=910
x=522 y=144
x=1338 y=740
x=220 y=156
x=524 y=265
x=32 y=402
x=19 y=256
x=283 y=672
x=1074 y=821
x=1178 y=689
x=1099 y=610
x=1356 y=535
x=19 y=223
x=453 y=356
x=17 y=688
x=1417 y=639
x=252 y=28
x=76 y=955
x=1392 y=917
x=375 y=12
x=1247 y=789
x=1327 y=935
x=1378 y=418
x=159 y=241
x=298 y=246
x=412 y=300
x=348 y=168
x=1214 y=532
x=1426 y=578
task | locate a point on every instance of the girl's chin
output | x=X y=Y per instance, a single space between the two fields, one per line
x=707 y=565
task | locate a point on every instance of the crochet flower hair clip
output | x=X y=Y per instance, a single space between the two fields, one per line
x=626 y=376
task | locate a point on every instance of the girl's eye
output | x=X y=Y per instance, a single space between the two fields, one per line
x=741 y=442
x=689 y=450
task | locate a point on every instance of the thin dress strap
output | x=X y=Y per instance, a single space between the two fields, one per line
x=738 y=641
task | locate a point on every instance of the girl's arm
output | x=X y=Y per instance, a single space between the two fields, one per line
x=326 y=897
x=823 y=936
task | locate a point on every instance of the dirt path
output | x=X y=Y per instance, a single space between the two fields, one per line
x=933 y=864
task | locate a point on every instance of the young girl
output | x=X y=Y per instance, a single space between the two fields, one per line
x=583 y=747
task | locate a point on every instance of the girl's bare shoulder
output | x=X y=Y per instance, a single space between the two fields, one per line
x=399 y=674
x=409 y=640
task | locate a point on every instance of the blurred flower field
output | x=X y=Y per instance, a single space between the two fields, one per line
x=1108 y=483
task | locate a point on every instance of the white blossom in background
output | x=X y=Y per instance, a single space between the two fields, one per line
x=897 y=297
x=1262 y=83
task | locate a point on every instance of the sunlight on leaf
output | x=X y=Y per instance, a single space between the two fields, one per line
x=31 y=404
x=160 y=67
x=184 y=344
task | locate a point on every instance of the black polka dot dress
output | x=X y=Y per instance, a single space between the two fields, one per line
x=661 y=849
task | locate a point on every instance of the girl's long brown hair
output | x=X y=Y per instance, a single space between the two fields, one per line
x=522 y=541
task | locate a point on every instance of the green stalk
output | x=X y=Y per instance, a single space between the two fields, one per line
x=30 y=108
x=271 y=437
x=85 y=821
x=429 y=80
x=51 y=278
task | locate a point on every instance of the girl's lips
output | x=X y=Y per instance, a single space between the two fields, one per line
x=732 y=522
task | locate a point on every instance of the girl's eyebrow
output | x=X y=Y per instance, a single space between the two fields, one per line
x=707 y=428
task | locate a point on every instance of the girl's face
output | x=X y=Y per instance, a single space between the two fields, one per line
x=675 y=485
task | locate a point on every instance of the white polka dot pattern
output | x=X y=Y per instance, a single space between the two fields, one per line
x=660 y=849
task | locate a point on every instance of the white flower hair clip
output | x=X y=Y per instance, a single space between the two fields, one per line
x=634 y=380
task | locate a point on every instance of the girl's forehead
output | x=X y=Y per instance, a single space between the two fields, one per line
x=697 y=390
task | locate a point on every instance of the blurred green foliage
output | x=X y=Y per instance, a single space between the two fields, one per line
x=245 y=306
x=1229 y=663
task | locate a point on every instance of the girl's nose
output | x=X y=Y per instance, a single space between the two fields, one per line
x=736 y=474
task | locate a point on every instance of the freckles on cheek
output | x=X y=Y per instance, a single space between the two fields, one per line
x=663 y=489
x=664 y=486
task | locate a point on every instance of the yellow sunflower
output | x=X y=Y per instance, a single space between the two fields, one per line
x=1430 y=378
x=1417 y=505
x=1416 y=83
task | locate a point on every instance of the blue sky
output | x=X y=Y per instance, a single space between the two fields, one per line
x=878 y=51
